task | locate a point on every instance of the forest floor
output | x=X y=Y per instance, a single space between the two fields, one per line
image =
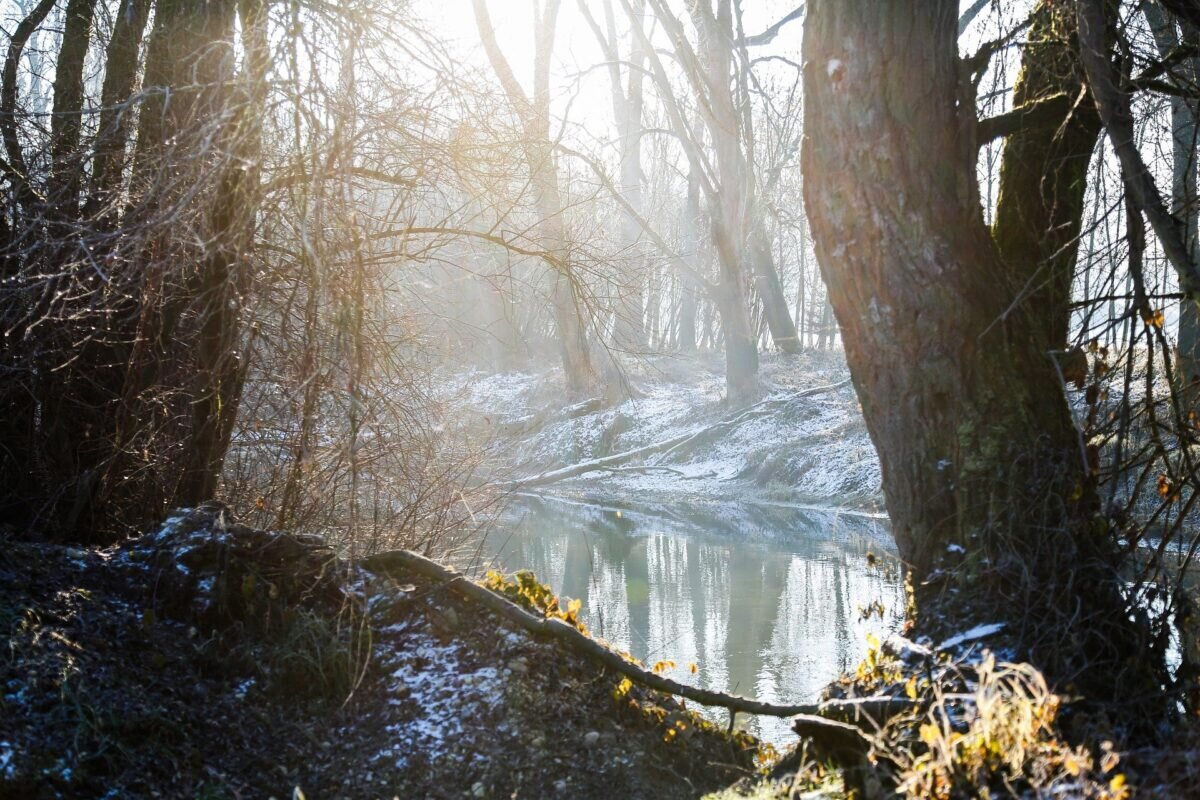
x=206 y=660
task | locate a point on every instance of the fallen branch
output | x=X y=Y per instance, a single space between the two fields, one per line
x=643 y=469
x=867 y=713
x=617 y=459
x=399 y=561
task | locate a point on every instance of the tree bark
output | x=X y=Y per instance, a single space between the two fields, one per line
x=770 y=289
x=1043 y=175
x=221 y=368
x=66 y=171
x=120 y=79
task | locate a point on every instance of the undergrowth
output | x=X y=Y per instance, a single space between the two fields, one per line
x=1001 y=739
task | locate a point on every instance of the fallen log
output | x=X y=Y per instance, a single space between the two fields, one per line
x=595 y=465
x=398 y=561
x=841 y=742
x=867 y=713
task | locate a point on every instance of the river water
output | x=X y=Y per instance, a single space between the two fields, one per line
x=767 y=601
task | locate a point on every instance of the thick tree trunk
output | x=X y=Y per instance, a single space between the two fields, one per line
x=183 y=142
x=730 y=219
x=741 y=349
x=956 y=400
x=221 y=367
x=1043 y=175
x=189 y=57
x=976 y=443
x=770 y=289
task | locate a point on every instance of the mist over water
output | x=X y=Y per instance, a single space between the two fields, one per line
x=766 y=601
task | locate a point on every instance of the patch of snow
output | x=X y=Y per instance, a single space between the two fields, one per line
x=168 y=528
x=978 y=632
x=431 y=678
x=243 y=688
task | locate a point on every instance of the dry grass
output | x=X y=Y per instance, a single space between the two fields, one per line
x=1001 y=739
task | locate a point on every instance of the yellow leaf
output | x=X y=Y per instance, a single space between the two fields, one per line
x=910 y=688
x=693 y=668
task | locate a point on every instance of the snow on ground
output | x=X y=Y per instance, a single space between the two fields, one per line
x=971 y=635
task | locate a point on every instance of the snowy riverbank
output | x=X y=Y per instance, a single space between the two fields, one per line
x=790 y=446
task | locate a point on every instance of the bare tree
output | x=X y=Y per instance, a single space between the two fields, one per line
x=534 y=112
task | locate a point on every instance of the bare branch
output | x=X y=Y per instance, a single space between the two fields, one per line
x=1113 y=105
x=768 y=36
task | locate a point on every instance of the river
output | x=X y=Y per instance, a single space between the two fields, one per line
x=767 y=601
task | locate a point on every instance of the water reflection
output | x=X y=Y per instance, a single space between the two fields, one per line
x=766 y=601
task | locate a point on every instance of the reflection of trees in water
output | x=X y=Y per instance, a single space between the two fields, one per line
x=840 y=617
x=623 y=553
x=759 y=618
x=756 y=583
x=697 y=597
x=637 y=599
x=577 y=568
